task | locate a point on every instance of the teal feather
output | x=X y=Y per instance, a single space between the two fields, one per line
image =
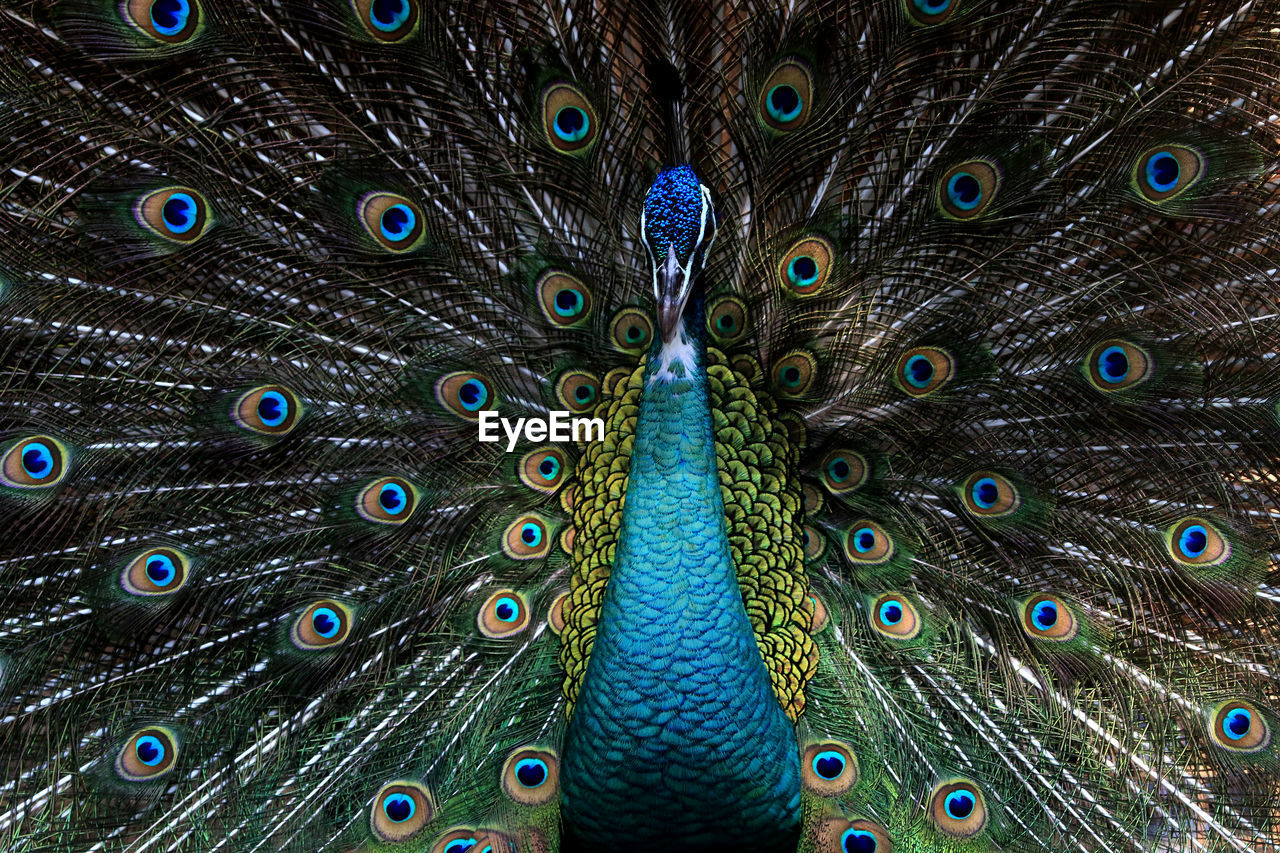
x=936 y=502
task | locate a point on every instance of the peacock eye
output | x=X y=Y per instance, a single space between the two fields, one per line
x=465 y=394
x=544 y=469
x=34 y=463
x=958 y=810
x=400 y=809
x=793 y=375
x=568 y=119
x=159 y=571
x=727 y=319
x=267 y=410
x=631 y=331
x=813 y=542
x=895 y=617
x=459 y=839
x=176 y=214
x=393 y=222
x=503 y=614
x=148 y=754
x=531 y=776
x=565 y=300
x=526 y=538
x=829 y=768
x=844 y=470
x=166 y=21
x=786 y=97
x=1197 y=542
x=388 y=500
x=868 y=544
x=578 y=390
x=988 y=494
x=806 y=266
x=855 y=836
x=1165 y=172
x=922 y=371
x=323 y=624
x=388 y=20
x=1238 y=726
x=930 y=12
x=967 y=190
x=1116 y=365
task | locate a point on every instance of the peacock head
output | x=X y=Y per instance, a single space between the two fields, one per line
x=679 y=226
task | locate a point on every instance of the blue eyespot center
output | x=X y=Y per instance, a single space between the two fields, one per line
x=725 y=323
x=37 y=460
x=571 y=123
x=273 y=408
x=1163 y=171
x=784 y=102
x=964 y=190
x=149 y=749
x=531 y=772
x=531 y=534
x=585 y=393
x=1236 y=723
x=932 y=7
x=506 y=609
x=839 y=469
x=460 y=845
x=389 y=15
x=858 y=841
x=791 y=376
x=169 y=17
x=549 y=468
x=891 y=612
x=828 y=764
x=392 y=498
x=398 y=222
x=634 y=333
x=399 y=807
x=1044 y=615
x=160 y=570
x=325 y=622
x=1193 y=541
x=1113 y=365
x=985 y=493
x=919 y=371
x=802 y=271
x=179 y=213
x=473 y=395
x=568 y=302
x=864 y=539
x=959 y=804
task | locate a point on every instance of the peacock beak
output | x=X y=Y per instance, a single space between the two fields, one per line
x=673 y=285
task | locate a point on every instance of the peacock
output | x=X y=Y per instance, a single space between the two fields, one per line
x=752 y=425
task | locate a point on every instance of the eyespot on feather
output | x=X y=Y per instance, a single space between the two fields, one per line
x=1238 y=726
x=392 y=221
x=387 y=500
x=531 y=777
x=503 y=614
x=466 y=394
x=967 y=190
x=794 y=374
x=1116 y=365
x=1163 y=173
x=631 y=331
x=828 y=768
x=267 y=410
x=957 y=809
x=565 y=300
x=922 y=371
x=526 y=538
x=727 y=320
x=819 y=614
x=990 y=495
x=556 y=616
x=568 y=119
x=929 y=13
x=1197 y=542
x=388 y=21
x=806 y=266
x=844 y=470
x=167 y=21
x=323 y=624
x=786 y=98
x=866 y=542
x=1048 y=617
x=457 y=839
x=147 y=755
x=400 y=809
x=578 y=391
x=156 y=572
x=838 y=835
x=895 y=617
x=176 y=214
x=36 y=462
x=544 y=469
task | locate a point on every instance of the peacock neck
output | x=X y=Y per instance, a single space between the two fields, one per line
x=677 y=738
